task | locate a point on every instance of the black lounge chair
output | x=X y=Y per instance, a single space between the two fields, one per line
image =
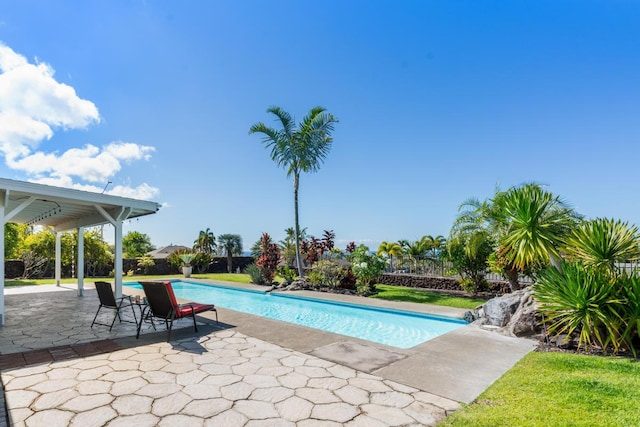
x=108 y=300
x=162 y=304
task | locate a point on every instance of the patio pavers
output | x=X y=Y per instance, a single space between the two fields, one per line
x=221 y=378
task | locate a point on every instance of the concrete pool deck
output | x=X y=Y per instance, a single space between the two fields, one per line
x=428 y=380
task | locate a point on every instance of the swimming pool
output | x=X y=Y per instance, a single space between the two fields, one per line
x=396 y=328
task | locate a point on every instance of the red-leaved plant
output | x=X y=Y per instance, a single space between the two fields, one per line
x=269 y=258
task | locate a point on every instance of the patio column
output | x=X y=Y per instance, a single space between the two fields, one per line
x=80 y=266
x=2 y=222
x=117 y=258
x=58 y=262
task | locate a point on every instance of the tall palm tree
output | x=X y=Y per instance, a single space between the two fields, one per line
x=298 y=149
x=392 y=249
x=230 y=244
x=205 y=243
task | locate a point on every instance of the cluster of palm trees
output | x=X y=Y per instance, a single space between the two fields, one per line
x=420 y=256
x=529 y=229
x=227 y=245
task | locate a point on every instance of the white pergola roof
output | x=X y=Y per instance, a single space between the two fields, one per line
x=66 y=209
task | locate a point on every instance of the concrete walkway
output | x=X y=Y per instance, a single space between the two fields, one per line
x=244 y=371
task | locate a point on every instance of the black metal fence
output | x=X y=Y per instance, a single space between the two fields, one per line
x=441 y=268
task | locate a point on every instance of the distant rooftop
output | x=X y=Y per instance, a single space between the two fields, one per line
x=166 y=251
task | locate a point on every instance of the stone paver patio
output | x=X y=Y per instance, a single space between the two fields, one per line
x=222 y=379
x=244 y=371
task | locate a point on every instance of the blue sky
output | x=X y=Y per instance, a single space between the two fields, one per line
x=437 y=101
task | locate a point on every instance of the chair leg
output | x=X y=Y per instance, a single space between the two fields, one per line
x=135 y=319
x=142 y=314
x=96 y=316
x=115 y=317
x=170 y=326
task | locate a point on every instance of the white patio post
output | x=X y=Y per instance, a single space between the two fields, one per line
x=80 y=266
x=58 y=262
x=117 y=258
x=2 y=222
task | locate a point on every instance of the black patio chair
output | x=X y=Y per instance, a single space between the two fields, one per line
x=108 y=300
x=162 y=304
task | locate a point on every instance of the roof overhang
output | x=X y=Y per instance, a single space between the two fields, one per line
x=64 y=208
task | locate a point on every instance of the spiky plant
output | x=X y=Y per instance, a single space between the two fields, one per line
x=581 y=301
x=603 y=242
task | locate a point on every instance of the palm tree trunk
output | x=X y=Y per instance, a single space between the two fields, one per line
x=512 y=277
x=296 y=178
x=229 y=261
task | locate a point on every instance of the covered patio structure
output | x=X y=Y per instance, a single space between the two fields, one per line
x=66 y=209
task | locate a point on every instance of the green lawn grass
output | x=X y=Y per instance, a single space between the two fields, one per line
x=228 y=277
x=558 y=389
x=401 y=293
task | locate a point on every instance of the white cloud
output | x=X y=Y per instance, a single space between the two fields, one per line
x=32 y=103
x=89 y=163
x=141 y=192
x=32 y=106
x=129 y=151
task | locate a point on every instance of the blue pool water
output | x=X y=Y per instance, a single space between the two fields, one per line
x=396 y=328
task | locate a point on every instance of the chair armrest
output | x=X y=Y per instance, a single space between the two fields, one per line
x=125 y=298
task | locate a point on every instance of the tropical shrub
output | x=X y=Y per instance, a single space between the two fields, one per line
x=174 y=259
x=349 y=280
x=315 y=278
x=330 y=272
x=312 y=249
x=201 y=261
x=351 y=246
x=631 y=309
x=468 y=255
x=269 y=258
x=186 y=258
x=589 y=296
x=602 y=242
x=145 y=263
x=367 y=268
x=255 y=274
x=287 y=273
x=582 y=301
